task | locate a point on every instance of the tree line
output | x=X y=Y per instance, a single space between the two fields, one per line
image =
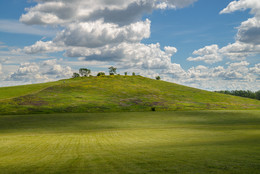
x=85 y=72
x=242 y=93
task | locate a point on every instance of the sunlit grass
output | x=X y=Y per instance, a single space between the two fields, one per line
x=144 y=142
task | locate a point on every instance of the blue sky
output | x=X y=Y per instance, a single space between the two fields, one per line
x=205 y=44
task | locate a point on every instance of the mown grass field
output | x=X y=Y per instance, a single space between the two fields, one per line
x=114 y=94
x=136 y=142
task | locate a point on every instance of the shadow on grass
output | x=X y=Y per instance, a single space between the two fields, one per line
x=106 y=121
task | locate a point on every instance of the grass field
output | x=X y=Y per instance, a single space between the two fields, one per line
x=194 y=142
x=114 y=94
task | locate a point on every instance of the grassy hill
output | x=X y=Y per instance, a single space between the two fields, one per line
x=114 y=94
x=123 y=142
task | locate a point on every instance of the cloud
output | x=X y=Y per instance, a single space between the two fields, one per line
x=236 y=76
x=126 y=55
x=209 y=54
x=239 y=50
x=144 y=56
x=11 y=26
x=2 y=45
x=27 y=72
x=256 y=69
x=42 y=47
x=111 y=32
x=106 y=31
x=242 y=5
x=97 y=34
x=60 y=12
x=247 y=39
x=40 y=72
x=248 y=31
x=103 y=31
x=52 y=68
x=237 y=70
x=170 y=50
x=0 y=68
x=235 y=51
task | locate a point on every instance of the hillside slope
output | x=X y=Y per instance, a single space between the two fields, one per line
x=112 y=94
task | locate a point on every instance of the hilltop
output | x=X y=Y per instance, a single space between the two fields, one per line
x=114 y=94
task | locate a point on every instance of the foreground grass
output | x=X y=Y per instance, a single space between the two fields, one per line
x=145 y=142
x=114 y=94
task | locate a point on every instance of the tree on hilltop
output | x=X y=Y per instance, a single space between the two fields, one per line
x=112 y=70
x=84 y=72
x=75 y=75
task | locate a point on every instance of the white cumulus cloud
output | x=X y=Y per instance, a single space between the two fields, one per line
x=97 y=34
x=53 y=12
x=247 y=39
x=111 y=32
x=209 y=54
x=249 y=30
x=40 y=72
x=42 y=47
x=98 y=30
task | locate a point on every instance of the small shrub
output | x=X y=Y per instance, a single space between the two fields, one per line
x=101 y=74
x=75 y=75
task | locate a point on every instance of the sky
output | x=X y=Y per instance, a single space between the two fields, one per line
x=206 y=44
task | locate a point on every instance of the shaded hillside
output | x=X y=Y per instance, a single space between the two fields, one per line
x=112 y=94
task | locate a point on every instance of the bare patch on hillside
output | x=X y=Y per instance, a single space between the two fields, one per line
x=30 y=100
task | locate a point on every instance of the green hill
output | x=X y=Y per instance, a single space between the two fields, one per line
x=113 y=94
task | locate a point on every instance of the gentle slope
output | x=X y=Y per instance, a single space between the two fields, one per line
x=114 y=94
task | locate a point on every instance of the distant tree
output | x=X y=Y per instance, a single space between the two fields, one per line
x=112 y=70
x=84 y=72
x=75 y=75
x=125 y=73
x=133 y=74
x=257 y=95
x=158 y=78
x=242 y=93
x=101 y=74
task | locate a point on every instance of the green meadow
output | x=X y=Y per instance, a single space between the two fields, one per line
x=96 y=125
x=114 y=94
x=131 y=142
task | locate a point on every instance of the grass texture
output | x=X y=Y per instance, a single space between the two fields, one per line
x=131 y=143
x=114 y=94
